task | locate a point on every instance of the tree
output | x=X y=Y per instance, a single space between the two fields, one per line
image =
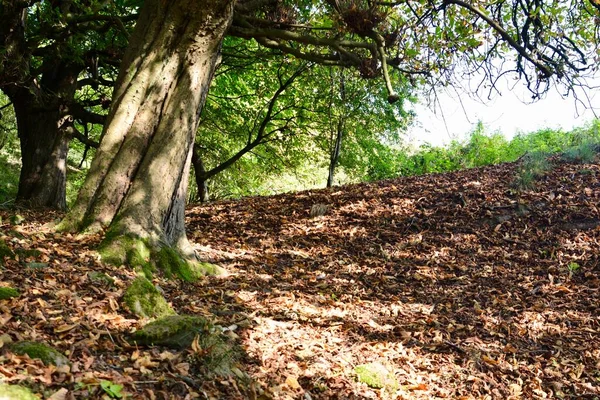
x=248 y=117
x=137 y=182
x=336 y=127
x=46 y=48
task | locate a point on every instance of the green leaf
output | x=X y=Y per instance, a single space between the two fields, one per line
x=113 y=390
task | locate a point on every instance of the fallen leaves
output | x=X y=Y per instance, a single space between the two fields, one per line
x=496 y=296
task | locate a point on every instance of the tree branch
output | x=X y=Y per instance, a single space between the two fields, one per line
x=546 y=71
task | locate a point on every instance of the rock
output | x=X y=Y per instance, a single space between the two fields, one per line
x=176 y=331
x=210 y=347
x=47 y=354
x=14 y=392
x=8 y=293
x=144 y=300
x=36 y=265
x=376 y=376
x=101 y=278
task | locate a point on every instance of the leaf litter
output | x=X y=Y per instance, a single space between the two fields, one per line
x=458 y=285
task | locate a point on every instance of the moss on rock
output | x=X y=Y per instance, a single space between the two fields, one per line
x=214 y=352
x=101 y=278
x=25 y=253
x=36 y=265
x=48 y=355
x=8 y=293
x=376 y=376
x=175 y=331
x=15 y=392
x=144 y=299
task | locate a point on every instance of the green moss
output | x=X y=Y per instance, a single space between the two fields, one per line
x=5 y=251
x=67 y=225
x=26 y=253
x=17 y=219
x=8 y=293
x=14 y=392
x=173 y=264
x=141 y=254
x=101 y=278
x=175 y=331
x=376 y=376
x=144 y=300
x=214 y=353
x=47 y=354
x=118 y=250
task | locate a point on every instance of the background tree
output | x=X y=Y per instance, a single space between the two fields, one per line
x=57 y=57
x=250 y=106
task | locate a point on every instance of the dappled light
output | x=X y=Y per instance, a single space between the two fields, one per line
x=442 y=274
x=446 y=288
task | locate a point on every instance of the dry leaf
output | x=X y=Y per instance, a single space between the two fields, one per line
x=489 y=360
x=65 y=328
x=61 y=394
x=292 y=382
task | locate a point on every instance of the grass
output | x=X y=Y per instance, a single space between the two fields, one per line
x=535 y=165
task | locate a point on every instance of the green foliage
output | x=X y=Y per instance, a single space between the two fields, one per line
x=535 y=165
x=482 y=148
x=583 y=154
x=113 y=390
x=297 y=132
x=573 y=267
x=10 y=153
x=17 y=219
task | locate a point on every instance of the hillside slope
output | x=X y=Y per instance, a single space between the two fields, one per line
x=453 y=285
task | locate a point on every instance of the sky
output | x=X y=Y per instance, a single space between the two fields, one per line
x=508 y=113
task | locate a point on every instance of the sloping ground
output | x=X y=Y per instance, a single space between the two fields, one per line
x=458 y=285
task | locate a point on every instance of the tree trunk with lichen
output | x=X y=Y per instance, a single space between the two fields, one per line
x=136 y=187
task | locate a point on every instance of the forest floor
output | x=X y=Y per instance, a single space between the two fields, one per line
x=454 y=285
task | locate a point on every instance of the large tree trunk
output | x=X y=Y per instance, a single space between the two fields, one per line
x=39 y=110
x=44 y=147
x=137 y=183
x=43 y=126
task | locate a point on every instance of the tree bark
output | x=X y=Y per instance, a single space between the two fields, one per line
x=44 y=148
x=137 y=183
x=43 y=124
x=200 y=176
x=335 y=153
